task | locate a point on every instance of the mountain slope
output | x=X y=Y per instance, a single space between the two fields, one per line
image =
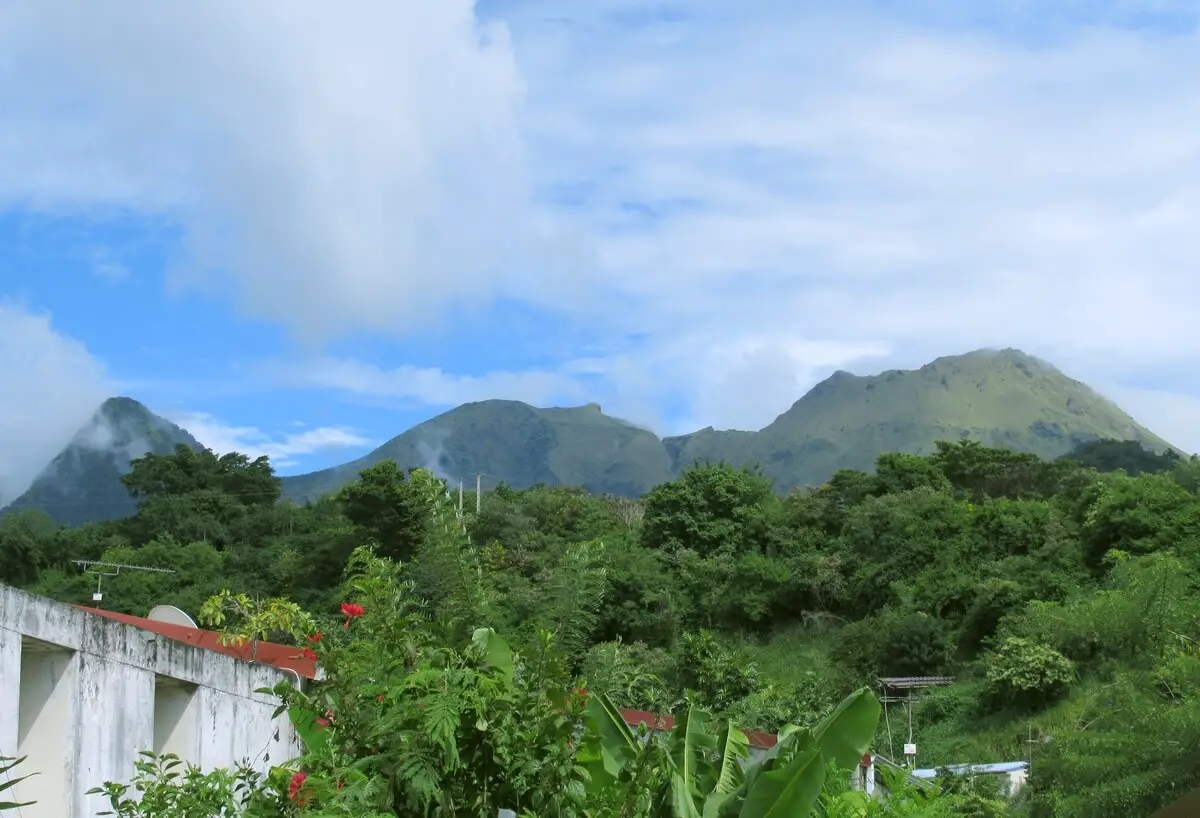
x=1003 y=398
x=83 y=483
x=519 y=444
x=1000 y=398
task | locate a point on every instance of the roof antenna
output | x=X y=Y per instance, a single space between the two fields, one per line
x=93 y=567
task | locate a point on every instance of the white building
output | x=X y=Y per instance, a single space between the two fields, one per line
x=83 y=691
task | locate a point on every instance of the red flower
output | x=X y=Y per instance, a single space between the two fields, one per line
x=296 y=783
x=379 y=698
x=322 y=723
x=316 y=637
x=352 y=611
x=308 y=654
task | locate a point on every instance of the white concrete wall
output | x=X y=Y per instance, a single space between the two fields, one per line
x=100 y=686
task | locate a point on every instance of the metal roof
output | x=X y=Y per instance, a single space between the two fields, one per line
x=267 y=653
x=999 y=768
x=909 y=682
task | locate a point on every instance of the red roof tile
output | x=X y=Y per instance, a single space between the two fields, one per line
x=290 y=658
x=761 y=741
x=267 y=653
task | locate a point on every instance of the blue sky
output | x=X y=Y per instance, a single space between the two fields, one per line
x=365 y=213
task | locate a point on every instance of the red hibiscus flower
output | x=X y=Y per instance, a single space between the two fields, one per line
x=296 y=783
x=352 y=611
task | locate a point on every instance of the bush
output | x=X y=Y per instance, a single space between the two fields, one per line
x=1026 y=674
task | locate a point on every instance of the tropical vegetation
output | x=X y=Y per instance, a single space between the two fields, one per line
x=1061 y=596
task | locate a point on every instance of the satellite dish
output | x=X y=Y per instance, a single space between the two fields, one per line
x=171 y=615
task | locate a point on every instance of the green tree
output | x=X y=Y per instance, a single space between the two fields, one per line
x=389 y=507
x=709 y=509
x=251 y=482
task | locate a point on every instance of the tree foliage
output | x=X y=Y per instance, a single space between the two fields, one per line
x=1061 y=596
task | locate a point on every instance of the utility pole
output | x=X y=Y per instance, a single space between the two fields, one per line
x=460 y=497
x=478 y=492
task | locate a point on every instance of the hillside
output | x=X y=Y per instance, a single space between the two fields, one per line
x=1004 y=398
x=1000 y=398
x=83 y=483
x=516 y=443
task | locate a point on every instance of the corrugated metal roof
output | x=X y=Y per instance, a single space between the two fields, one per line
x=999 y=768
x=267 y=653
x=907 y=682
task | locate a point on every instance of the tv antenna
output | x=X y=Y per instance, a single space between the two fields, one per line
x=94 y=567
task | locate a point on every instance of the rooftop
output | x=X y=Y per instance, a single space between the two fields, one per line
x=290 y=658
x=267 y=653
x=912 y=682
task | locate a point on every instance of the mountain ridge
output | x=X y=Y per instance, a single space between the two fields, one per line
x=83 y=482
x=1004 y=398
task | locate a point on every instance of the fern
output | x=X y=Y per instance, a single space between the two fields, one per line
x=451 y=570
x=574 y=595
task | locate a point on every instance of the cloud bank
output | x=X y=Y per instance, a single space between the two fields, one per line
x=738 y=198
x=51 y=385
x=283 y=449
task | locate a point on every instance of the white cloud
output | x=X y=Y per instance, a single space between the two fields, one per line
x=107 y=268
x=859 y=180
x=824 y=187
x=1173 y=416
x=429 y=386
x=248 y=440
x=51 y=386
x=349 y=165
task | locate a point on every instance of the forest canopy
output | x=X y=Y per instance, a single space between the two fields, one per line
x=1061 y=596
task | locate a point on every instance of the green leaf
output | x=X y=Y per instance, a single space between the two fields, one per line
x=689 y=739
x=846 y=733
x=683 y=797
x=499 y=654
x=792 y=789
x=732 y=750
x=610 y=744
x=6 y=764
x=305 y=722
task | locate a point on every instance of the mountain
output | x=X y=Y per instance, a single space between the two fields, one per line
x=519 y=444
x=83 y=483
x=1001 y=398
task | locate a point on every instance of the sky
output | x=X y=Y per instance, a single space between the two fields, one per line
x=299 y=229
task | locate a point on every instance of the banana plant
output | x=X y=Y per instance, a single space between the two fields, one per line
x=8 y=764
x=701 y=773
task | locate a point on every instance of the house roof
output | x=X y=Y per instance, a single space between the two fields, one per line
x=910 y=682
x=267 y=653
x=1000 y=768
x=759 y=741
x=291 y=658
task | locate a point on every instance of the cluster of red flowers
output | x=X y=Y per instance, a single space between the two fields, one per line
x=309 y=653
x=351 y=611
x=294 y=786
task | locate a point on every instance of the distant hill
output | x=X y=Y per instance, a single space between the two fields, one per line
x=519 y=444
x=83 y=483
x=1001 y=398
